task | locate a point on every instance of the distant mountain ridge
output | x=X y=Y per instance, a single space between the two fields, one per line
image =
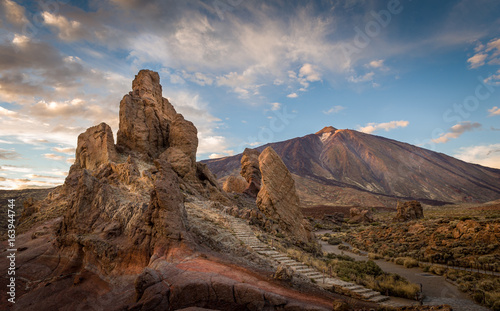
x=336 y=166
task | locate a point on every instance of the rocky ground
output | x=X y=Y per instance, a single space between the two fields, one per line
x=466 y=237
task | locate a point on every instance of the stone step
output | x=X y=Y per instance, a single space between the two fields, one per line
x=299 y=267
x=280 y=257
x=318 y=278
x=370 y=294
x=361 y=290
x=308 y=271
x=379 y=298
x=353 y=288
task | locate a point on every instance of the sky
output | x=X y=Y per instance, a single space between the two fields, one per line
x=249 y=72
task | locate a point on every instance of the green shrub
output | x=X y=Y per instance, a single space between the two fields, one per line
x=410 y=263
x=343 y=247
x=334 y=241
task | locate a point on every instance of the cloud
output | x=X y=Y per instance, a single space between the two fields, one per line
x=477 y=60
x=68 y=30
x=493 y=79
x=16 y=169
x=53 y=156
x=14 y=13
x=69 y=150
x=334 y=109
x=275 y=106
x=309 y=73
x=9 y=155
x=365 y=78
x=495 y=111
x=292 y=95
x=487 y=155
x=456 y=131
x=196 y=110
x=488 y=53
x=376 y=64
x=387 y=126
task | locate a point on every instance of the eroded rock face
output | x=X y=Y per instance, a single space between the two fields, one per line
x=95 y=147
x=250 y=171
x=144 y=117
x=235 y=184
x=360 y=216
x=409 y=211
x=278 y=199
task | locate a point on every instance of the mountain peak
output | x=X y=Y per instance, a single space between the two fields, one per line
x=326 y=129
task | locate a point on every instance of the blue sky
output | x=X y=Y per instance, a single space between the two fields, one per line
x=249 y=72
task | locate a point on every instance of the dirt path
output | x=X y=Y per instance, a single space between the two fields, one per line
x=436 y=289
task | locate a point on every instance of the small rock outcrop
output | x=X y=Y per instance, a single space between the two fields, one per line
x=96 y=146
x=145 y=117
x=409 y=211
x=235 y=184
x=250 y=171
x=278 y=199
x=360 y=216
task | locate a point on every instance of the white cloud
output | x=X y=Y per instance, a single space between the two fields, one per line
x=16 y=169
x=493 y=79
x=372 y=127
x=376 y=63
x=52 y=156
x=69 y=150
x=310 y=73
x=275 y=106
x=68 y=30
x=334 y=109
x=366 y=77
x=194 y=109
x=495 y=111
x=292 y=95
x=456 y=131
x=477 y=60
x=488 y=53
x=487 y=155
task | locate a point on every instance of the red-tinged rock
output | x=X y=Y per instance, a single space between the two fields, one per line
x=278 y=199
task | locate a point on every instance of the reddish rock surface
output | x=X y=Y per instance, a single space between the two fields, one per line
x=409 y=211
x=250 y=171
x=235 y=184
x=278 y=199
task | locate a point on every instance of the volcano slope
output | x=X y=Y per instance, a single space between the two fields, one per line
x=347 y=167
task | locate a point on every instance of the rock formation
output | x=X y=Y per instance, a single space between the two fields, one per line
x=235 y=184
x=95 y=147
x=409 y=211
x=121 y=237
x=360 y=216
x=250 y=171
x=278 y=199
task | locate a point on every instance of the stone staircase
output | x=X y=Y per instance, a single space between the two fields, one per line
x=244 y=232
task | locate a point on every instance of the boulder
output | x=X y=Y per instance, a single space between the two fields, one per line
x=235 y=184
x=95 y=147
x=278 y=199
x=409 y=211
x=360 y=216
x=250 y=171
